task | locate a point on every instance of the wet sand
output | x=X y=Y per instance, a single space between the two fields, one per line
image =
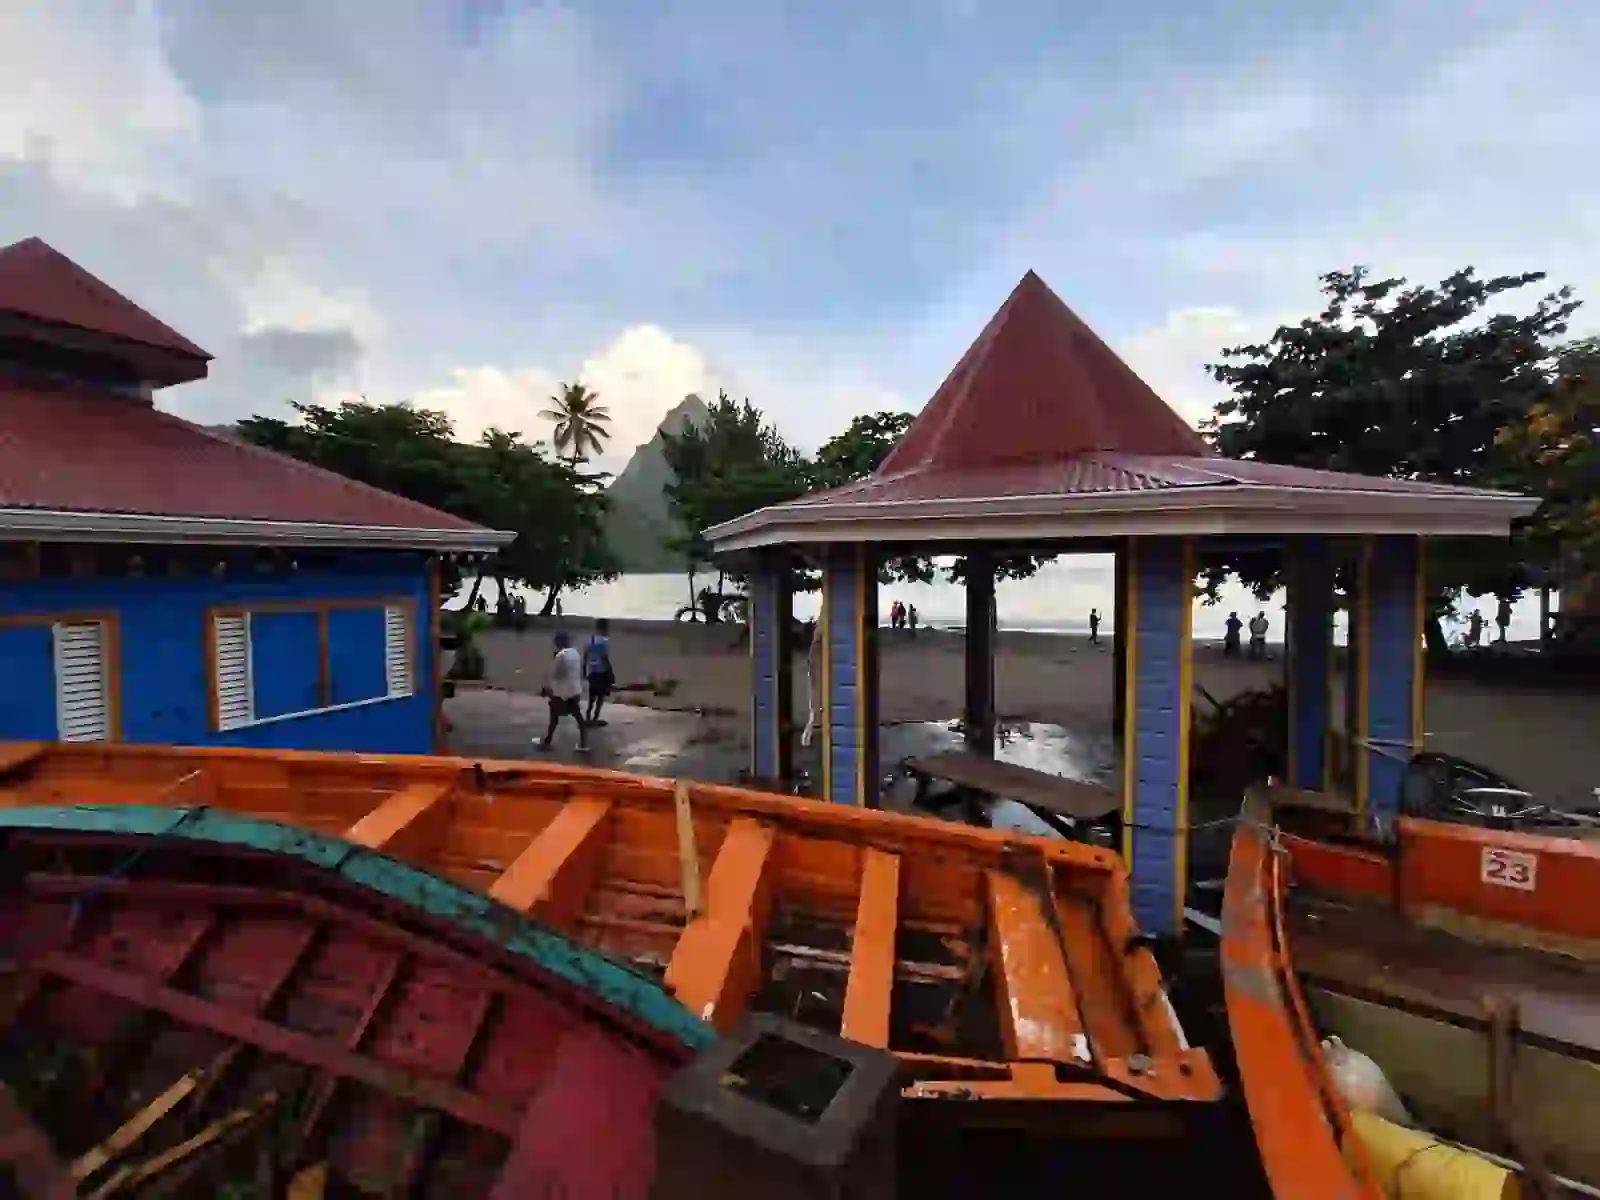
x=1544 y=741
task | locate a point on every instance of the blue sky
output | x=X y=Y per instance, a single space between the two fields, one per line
x=815 y=205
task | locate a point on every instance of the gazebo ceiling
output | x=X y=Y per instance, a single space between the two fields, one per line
x=1042 y=432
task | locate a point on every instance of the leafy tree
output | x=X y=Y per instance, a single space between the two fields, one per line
x=501 y=482
x=582 y=423
x=732 y=463
x=1400 y=381
x=1556 y=456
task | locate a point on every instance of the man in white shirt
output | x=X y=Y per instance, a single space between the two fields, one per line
x=564 y=690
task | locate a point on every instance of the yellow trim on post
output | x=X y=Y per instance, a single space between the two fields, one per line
x=1185 y=709
x=827 y=679
x=1130 y=697
x=1418 y=648
x=1358 y=736
x=863 y=685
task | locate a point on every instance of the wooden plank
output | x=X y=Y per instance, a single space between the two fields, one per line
x=1065 y=797
x=688 y=853
x=1038 y=1010
x=135 y=1126
x=407 y=822
x=131 y=1176
x=716 y=965
x=872 y=952
x=552 y=877
x=14 y=756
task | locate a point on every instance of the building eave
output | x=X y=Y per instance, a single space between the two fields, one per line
x=1199 y=510
x=34 y=524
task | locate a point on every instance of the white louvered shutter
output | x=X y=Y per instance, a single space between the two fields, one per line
x=235 y=696
x=83 y=694
x=397 y=649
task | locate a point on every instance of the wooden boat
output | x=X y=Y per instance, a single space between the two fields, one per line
x=196 y=999
x=1463 y=961
x=1000 y=968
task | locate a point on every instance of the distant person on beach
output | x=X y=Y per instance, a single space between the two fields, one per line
x=1258 y=635
x=897 y=615
x=597 y=669
x=564 y=690
x=1502 y=618
x=1474 y=629
x=1094 y=626
x=911 y=619
x=1230 y=637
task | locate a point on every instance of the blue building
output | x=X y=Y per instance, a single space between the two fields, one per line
x=162 y=582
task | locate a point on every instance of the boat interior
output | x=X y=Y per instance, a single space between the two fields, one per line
x=1465 y=963
x=996 y=966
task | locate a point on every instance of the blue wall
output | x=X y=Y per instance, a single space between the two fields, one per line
x=1394 y=617
x=850 y=733
x=1310 y=572
x=165 y=692
x=1161 y=574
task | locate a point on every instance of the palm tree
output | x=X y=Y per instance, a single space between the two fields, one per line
x=581 y=422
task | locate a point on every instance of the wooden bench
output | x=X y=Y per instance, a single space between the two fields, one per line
x=1064 y=804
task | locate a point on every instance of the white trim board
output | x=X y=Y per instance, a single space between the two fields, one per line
x=37 y=524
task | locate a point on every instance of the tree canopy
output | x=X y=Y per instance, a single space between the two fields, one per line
x=501 y=482
x=1408 y=382
x=732 y=463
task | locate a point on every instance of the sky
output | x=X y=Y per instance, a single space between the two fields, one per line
x=814 y=205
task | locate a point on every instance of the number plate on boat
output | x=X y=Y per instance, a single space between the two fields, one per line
x=1510 y=868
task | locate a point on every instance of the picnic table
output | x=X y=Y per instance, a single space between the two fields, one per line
x=1065 y=804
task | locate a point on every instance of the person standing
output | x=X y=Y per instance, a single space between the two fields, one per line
x=1502 y=618
x=597 y=669
x=1230 y=636
x=911 y=619
x=1474 y=629
x=1094 y=626
x=564 y=690
x=1258 y=635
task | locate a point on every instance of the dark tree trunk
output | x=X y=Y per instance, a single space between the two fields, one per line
x=550 y=601
x=477 y=586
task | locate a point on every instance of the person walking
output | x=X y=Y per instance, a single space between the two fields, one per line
x=564 y=690
x=1230 y=636
x=1258 y=635
x=911 y=619
x=1094 y=626
x=597 y=670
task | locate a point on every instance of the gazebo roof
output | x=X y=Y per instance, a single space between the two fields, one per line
x=1042 y=432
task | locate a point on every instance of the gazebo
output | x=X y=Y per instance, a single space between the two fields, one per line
x=1043 y=440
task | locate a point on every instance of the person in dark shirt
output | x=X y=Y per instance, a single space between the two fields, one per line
x=1230 y=637
x=1094 y=626
x=597 y=669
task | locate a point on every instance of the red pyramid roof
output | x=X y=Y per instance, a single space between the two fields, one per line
x=39 y=282
x=1038 y=386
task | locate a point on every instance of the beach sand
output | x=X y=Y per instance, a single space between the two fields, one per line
x=1547 y=742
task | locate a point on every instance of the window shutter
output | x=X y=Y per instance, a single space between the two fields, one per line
x=397 y=649
x=235 y=698
x=83 y=702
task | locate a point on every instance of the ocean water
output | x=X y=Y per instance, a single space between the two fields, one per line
x=1056 y=600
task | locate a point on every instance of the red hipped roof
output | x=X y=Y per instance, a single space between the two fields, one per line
x=87 y=452
x=1038 y=386
x=40 y=282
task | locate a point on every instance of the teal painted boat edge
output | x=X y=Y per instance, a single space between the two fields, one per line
x=611 y=982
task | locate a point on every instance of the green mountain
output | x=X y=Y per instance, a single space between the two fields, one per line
x=641 y=523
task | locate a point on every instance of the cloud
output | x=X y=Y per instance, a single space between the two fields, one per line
x=1170 y=357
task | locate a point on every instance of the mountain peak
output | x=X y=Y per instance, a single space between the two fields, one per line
x=641 y=520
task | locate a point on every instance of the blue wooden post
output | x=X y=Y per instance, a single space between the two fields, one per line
x=850 y=676
x=1309 y=571
x=771 y=610
x=1159 y=577
x=1390 y=623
